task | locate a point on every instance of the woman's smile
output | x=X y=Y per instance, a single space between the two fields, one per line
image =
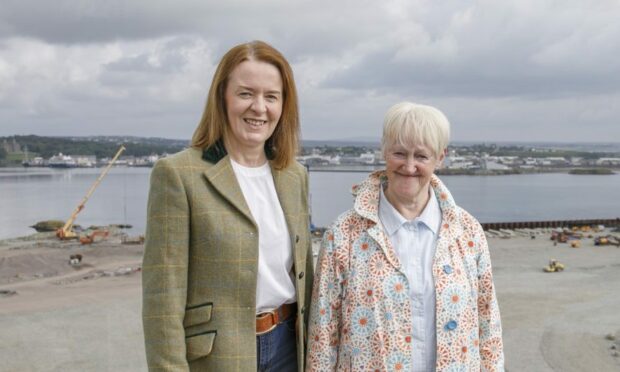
x=255 y=122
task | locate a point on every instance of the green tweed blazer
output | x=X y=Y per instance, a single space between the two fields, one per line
x=201 y=260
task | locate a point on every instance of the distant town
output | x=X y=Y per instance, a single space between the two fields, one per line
x=471 y=159
x=84 y=152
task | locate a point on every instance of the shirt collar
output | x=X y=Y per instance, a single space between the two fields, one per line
x=392 y=220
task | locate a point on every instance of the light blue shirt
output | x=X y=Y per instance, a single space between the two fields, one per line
x=415 y=242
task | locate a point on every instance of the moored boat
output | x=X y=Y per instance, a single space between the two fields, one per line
x=62 y=161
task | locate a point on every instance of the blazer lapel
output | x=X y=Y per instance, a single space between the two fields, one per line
x=223 y=179
x=286 y=188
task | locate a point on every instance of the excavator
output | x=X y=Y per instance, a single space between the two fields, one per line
x=90 y=238
x=66 y=232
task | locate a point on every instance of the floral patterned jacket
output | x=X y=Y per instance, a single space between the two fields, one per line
x=360 y=317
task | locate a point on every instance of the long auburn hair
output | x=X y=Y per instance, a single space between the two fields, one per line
x=213 y=127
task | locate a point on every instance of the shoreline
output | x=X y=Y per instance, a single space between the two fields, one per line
x=577 y=170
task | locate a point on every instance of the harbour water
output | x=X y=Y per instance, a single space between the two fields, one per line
x=35 y=194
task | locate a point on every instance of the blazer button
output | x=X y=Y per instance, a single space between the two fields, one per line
x=301 y=275
x=296 y=238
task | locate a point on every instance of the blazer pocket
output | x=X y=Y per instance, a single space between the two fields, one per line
x=198 y=314
x=200 y=345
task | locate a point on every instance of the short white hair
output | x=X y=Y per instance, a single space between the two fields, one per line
x=408 y=124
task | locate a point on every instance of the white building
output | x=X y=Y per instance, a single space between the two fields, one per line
x=554 y=161
x=608 y=161
x=85 y=161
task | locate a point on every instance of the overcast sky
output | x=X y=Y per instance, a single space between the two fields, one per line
x=510 y=70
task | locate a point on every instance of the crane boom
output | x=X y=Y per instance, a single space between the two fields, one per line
x=66 y=232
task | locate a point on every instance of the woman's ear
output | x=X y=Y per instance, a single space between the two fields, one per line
x=442 y=156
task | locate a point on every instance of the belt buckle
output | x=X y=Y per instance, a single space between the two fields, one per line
x=275 y=324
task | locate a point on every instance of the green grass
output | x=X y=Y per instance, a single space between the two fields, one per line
x=602 y=171
x=14 y=159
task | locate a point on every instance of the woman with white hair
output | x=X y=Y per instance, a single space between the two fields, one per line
x=403 y=281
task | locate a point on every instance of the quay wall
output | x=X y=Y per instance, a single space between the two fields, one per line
x=551 y=224
x=318 y=231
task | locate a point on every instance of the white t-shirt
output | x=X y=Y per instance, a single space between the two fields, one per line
x=274 y=286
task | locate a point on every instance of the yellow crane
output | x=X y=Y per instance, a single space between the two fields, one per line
x=66 y=232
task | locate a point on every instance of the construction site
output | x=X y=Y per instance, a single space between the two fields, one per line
x=70 y=306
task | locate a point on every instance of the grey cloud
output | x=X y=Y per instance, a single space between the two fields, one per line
x=492 y=50
x=92 y=21
x=170 y=59
x=66 y=21
x=297 y=27
x=380 y=72
x=126 y=67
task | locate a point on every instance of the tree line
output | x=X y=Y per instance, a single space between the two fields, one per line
x=101 y=147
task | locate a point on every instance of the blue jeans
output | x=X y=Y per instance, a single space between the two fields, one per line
x=277 y=350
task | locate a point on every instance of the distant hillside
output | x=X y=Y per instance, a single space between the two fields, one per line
x=12 y=147
x=339 y=143
x=100 y=146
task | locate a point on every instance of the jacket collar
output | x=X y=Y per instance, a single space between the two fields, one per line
x=217 y=151
x=222 y=176
x=367 y=196
x=392 y=219
x=366 y=205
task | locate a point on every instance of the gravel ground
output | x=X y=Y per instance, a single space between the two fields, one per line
x=58 y=317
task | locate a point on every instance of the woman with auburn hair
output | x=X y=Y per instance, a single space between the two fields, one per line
x=227 y=265
x=403 y=281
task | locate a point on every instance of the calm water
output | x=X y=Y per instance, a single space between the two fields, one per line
x=31 y=195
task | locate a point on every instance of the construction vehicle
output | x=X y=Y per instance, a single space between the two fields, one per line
x=90 y=238
x=607 y=240
x=75 y=259
x=554 y=266
x=66 y=232
x=566 y=235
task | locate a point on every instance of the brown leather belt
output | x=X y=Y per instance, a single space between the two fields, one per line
x=266 y=322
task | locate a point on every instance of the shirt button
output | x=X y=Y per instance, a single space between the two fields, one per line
x=451 y=325
x=301 y=275
x=296 y=238
x=447 y=269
